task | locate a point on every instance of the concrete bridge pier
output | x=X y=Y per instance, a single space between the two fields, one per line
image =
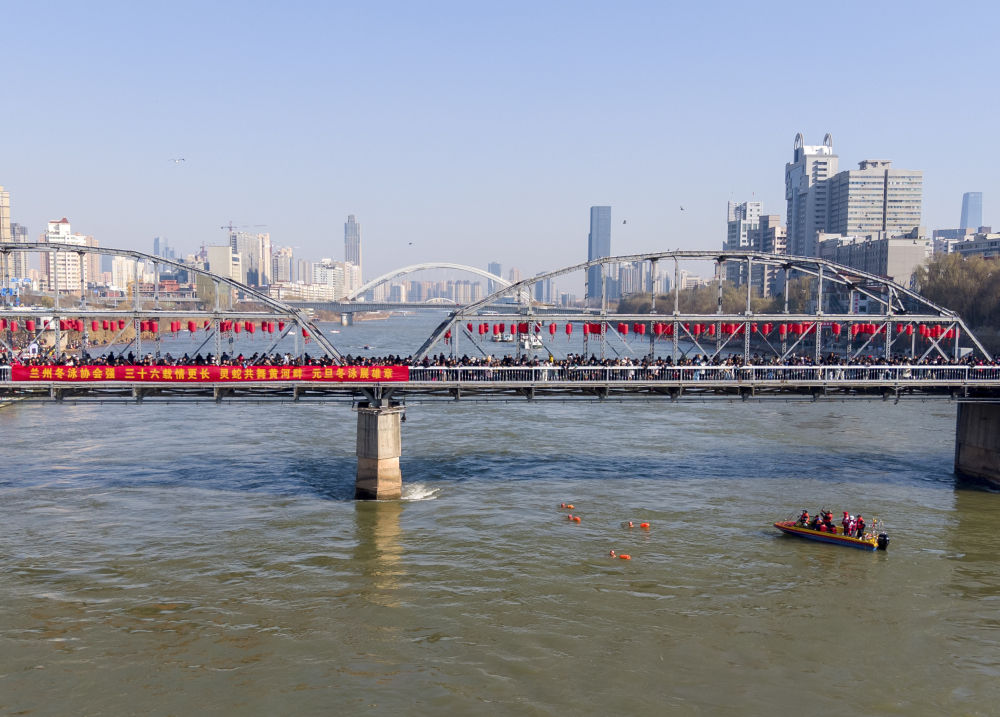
x=977 y=443
x=379 y=448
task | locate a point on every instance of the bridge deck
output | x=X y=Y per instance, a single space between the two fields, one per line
x=577 y=383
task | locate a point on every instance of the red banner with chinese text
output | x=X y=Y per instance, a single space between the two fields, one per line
x=211 y=374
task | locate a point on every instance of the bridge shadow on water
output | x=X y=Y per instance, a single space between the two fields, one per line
x=332 y=477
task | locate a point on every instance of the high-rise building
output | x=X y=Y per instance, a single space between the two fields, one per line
x=255 y=256
x=806 y=193
x=895 y=257
x=19 y=260
x=352 y=241
x=283 y=264
x=972 y=210
x=496 y=269
x=225 y=261
x=741 y=229
x=4 y=216
x=875 y=198
x=66 y=270
x=771 y=239
x=598 y=245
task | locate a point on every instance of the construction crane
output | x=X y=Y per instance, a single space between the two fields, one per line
x=232 y=226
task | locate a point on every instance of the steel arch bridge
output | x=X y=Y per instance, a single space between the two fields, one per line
x=425 y=266
x=293 y=319
x=896 y=307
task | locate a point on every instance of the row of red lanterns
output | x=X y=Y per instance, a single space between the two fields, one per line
x=145 y=326
x=667 y=329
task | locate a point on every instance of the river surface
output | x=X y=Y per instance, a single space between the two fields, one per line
x=209 y=559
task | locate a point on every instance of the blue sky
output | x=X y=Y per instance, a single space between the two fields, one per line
x=477 y=131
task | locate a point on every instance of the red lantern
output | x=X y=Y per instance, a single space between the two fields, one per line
x=586 y=329
x=205 y=324
x=640 y=329
x=513 y=329
x=121 y=324
x=711 y=329
x=503 y=328
x=623 y=329
x=104 y=325
x=29 y=325
x=305 y=334
x=835 y=329
x=909 y=329
x=447 y=335
x=522 y=327
x=13 y=326
x=250 y=327
x=154 y=326
x=552 y=329
x=569 y=330
x=192 y=326
x=236 y=327
x=93 y=325
x=469 y=327
x=782 y=329
x=697 y=329
x=281 y=326
x=3 y=324
x=62 y=324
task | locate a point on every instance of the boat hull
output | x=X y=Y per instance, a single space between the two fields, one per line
x=789 y=527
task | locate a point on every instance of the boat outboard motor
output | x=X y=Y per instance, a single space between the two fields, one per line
x=883 y=541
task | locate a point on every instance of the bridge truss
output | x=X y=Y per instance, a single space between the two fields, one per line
x=133 y=323
x=897 y=320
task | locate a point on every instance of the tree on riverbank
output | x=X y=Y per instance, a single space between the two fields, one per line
x=970 y=287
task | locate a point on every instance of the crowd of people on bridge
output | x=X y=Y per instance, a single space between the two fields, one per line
x=526 y=360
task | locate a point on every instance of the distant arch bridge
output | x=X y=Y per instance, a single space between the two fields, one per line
x=426 y=266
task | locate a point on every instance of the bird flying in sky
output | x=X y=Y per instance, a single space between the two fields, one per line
x=177 y=160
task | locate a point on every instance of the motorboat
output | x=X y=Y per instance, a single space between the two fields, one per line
x=503 y=339
x=531 y=342
x=873 y=538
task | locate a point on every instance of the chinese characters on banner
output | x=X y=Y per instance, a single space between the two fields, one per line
x=211 y=374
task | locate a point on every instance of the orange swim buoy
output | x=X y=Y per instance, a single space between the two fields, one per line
x=576 y=518
x=569 y=506
x=625 y=556
x=644 y=525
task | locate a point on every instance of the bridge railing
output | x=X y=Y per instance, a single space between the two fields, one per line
x=688 y=374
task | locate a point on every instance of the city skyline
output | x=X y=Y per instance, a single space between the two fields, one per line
x=484 y=130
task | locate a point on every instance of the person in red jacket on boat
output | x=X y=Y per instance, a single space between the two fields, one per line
x=860 y=527
x=803 y=521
